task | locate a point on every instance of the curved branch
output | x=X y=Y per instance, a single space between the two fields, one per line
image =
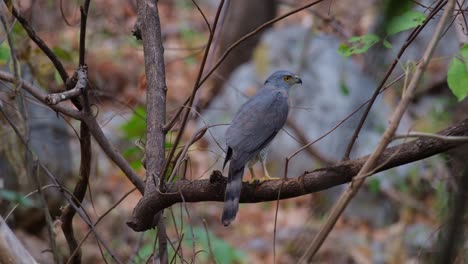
x=309 y=182
x=39 y=42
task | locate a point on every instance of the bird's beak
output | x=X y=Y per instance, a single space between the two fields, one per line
x=298 y=79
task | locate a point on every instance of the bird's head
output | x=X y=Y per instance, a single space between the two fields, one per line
x=283 y=79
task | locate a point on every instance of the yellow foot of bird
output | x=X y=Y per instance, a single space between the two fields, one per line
x=252 y=180
x=267 y=178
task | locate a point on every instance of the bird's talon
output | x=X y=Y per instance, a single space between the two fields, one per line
x=268 y=178
x=253 y=180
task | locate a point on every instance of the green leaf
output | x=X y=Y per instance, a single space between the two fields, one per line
x=136 y=126
x=63 y=54
x=222 y=251
x=457 y=76
x=15 y=197
x=344 y=89
x=4 y=53
x=358 y=44
x=374 y=185
x=387 y=44
x=407 y=20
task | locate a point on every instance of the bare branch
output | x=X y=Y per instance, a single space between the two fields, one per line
x=422 y=134
x=310 y=182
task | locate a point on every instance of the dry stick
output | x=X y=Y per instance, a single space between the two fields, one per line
x=460 y=139
x=184 y=204
x=386 y=138
x=48 y=216
x=408 y=41
x=203 y=15
x=276 y=220
x=265 y=25
x=176 y=250
x=210 y=250
x=194 y=91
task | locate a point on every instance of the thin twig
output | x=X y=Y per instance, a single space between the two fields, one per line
x=460 y=139
x=203 y=15
x=48 y=217
x=210 y=250
x=275 y=224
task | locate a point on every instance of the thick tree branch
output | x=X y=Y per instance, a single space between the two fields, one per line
x=155 y=91
x=310 y=182
x=150 y=28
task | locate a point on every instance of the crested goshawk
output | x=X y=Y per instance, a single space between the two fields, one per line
x=254 y=126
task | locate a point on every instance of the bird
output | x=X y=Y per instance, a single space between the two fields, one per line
x=252 y=129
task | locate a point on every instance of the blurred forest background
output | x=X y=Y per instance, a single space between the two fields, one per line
x=343 y=50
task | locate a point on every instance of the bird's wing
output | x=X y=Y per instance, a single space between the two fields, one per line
x=258 y=121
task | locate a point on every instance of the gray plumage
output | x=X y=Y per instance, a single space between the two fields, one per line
x=254 y=126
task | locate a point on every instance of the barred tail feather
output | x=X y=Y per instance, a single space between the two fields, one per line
x=232 y=194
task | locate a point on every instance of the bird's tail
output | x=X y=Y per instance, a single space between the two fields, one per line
x=232 y=194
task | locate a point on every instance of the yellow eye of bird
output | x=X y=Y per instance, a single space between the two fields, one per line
x=287 y=78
